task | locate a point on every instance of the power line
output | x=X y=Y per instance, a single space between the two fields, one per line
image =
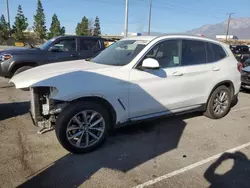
x=163 y=5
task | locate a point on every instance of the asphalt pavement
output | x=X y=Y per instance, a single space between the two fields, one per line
x=183 y=151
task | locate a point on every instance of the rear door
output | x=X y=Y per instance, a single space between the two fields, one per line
x=202 y=69
x=64 y=49
x=89 y=47
x=195 y=71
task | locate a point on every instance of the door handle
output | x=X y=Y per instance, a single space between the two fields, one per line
x=216 y=69
x=73 y=55
x=177 y=74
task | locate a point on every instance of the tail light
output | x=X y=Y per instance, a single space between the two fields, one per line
x=240 y=66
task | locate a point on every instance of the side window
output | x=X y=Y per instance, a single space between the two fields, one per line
x=210 y=52
x=167 y=53
x=66 y=45
x=89 y=44
x=193 y=52
x=219 y=52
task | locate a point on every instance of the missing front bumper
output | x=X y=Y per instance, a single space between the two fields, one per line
x=43 y=110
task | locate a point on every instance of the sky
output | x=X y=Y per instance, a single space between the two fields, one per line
x=168 y=16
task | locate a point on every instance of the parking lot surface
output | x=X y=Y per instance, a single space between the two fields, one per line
x=182 y=151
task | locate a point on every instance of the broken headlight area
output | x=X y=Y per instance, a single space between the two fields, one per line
x=43 y=109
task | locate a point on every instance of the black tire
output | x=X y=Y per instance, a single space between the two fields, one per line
x=68 y=113
x=21 y=69
x=234 y=101
x=210 y=111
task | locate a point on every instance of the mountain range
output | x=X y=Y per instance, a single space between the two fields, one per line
x=239 y=27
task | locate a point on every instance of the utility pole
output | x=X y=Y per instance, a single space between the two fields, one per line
x=149 y=18
x=228 y=24
x=126 y=20
x=8 y=12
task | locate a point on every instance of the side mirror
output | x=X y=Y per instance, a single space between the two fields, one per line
x=54 y=49
x=150 y=63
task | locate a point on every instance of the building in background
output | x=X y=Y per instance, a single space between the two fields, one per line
x=226 y=37
x=132 y=34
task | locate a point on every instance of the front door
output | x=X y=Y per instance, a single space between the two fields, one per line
x=63 y=50
x=161 y=90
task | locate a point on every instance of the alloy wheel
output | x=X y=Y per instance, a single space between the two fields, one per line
x=220 y=102
x=85 y=128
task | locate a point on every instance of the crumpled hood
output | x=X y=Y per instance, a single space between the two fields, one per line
x=33 y=76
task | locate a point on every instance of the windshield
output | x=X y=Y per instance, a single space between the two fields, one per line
x=120 y=53
x=45 y=45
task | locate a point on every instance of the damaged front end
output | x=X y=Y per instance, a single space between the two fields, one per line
x=43 y=109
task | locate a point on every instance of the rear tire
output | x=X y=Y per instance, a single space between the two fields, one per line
x=72 y=117
x=219 y=103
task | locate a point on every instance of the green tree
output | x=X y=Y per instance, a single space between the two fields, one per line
x=62 y=31
x=97 y=27
x=83 y=27
x=78 y=29
x=20 y=24
x=4 y=28
x=55 y=27
x=40 y=21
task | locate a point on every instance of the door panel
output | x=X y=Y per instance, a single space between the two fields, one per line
x=154 y=91
x=195 y=84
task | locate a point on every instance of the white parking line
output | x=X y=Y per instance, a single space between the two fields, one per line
x=190 y=167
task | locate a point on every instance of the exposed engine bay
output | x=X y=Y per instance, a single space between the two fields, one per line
x=43 y=109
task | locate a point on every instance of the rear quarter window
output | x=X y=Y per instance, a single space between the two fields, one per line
x=219 y=52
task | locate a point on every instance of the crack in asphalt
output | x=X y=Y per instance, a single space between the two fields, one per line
x=23 y=152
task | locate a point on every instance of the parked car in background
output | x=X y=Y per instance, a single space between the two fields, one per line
x=63 y=48
x=245 y=74
x=134 y=79
x=239 y=49
x=245 y=77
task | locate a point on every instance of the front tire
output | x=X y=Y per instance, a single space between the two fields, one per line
x=219 y=103
x=22 y=69
x=82 y=126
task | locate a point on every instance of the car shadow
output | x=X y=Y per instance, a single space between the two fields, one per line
x=238 y=176
x=9 y=110
x=125 y=149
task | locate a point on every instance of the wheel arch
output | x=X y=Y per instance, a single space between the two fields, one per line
x=13 y=67
x=229 y=84
x=104 y=102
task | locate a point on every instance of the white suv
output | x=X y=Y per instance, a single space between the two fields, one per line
x=132 y=80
